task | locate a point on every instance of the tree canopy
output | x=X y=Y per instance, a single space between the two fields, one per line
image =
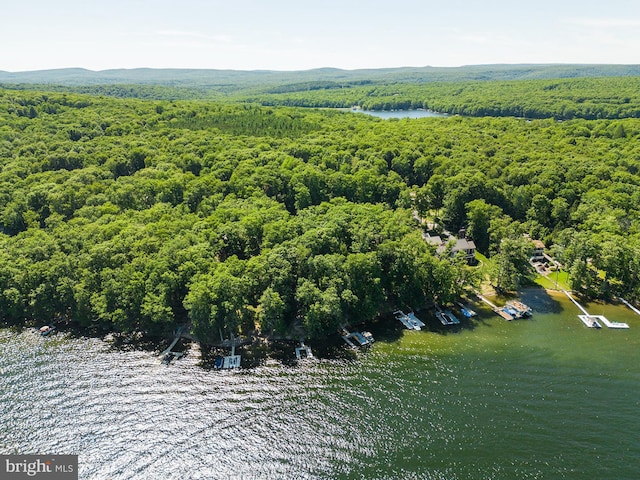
x=137 y=214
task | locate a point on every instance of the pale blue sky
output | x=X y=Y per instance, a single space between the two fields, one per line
x=297 y=35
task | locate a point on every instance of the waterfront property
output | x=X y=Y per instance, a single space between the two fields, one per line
x=537 y=254
x=459 y=245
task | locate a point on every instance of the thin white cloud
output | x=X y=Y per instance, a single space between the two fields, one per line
x=605 y=22
x=476 y=38
x=181 y=34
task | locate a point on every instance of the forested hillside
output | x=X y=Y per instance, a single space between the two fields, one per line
x=566 y=99
x=239 y=80
x=134 y=215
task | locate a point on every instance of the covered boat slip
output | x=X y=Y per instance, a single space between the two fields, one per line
x=446 y=317
x=303 y=351
x=409 y=320
x=357 y=339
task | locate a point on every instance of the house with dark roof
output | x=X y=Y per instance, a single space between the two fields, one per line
x=458 y=245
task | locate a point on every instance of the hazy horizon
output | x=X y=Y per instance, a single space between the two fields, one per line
x=283 y=35
x=515 y=65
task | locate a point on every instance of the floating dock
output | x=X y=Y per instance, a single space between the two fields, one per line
x=609 y=324
x=453 y=320
x=303 y=349
x=415 y=321
x=409 y=320
x=496 y=309
x=592 y=321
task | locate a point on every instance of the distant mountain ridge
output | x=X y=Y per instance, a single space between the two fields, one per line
x=238 y=79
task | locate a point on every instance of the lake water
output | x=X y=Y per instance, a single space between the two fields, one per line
x=400 y=113
x=544 y=398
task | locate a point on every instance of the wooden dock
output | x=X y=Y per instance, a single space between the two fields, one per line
x=496 y=309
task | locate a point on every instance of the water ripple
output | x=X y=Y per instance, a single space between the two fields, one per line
x=399 y=412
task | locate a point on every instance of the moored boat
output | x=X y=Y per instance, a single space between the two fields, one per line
x=467 y=312
x=47 y=330
x=521 y=310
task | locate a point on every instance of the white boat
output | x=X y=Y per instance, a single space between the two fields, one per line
x=47 y=330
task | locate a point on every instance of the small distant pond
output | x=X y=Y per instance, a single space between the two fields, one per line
x=386 y=114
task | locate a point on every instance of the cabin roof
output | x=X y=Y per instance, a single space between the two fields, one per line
x=464 y=244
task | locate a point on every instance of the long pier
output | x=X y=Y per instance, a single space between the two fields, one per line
x=496 y=309
x=576 y=303
x=634 y=309
x=591 y=321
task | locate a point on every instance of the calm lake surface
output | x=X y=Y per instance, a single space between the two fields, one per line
x=545 y=398
x=401 y=113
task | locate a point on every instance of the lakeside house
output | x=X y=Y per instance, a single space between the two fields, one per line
x=461 y=244
x=537 y=254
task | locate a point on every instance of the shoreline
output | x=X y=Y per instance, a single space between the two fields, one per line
x=257 y=349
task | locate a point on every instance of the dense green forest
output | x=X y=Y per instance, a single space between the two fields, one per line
x=135 y=215
x=566 y=99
